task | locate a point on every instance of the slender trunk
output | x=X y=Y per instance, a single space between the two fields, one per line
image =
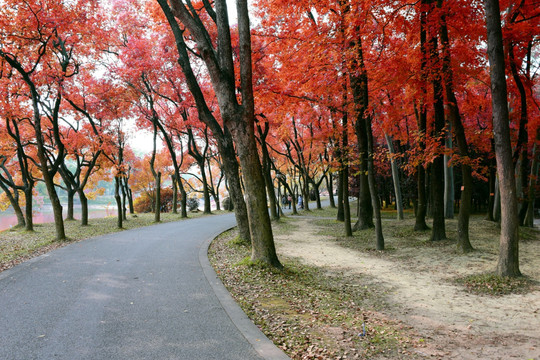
x=84 y=207
x=175 y=195
x=120 y=217
x=529 y=218
x=438 y=231
x=421 y=209
x=330 y=187
x=70 y=197
x=14 y=201
x=508 y=264
x=346 y=205
x=206 y=191
x=454 y=116
x=157 y=210
x=340 y=211
x=130 y=200
x=317 y=195
x=373 y=189
x=29 y=226
x=305 y=191
x=395 y=178
x=124 y=199
x=449 y=196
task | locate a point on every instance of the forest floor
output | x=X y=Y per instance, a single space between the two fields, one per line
x=416 y=299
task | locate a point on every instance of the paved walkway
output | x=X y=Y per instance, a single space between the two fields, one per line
x=146 y=293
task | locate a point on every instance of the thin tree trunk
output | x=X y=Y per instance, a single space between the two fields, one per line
x=120 y=217
x=330 y=188
x=84 y=207
x=70 y=197
x=175 y=195
x=29 y=226
x=454 y=116
x=508 y=264
x=529 y=218
x=395 y=178
x=449 y=196
x=157 y=213
x=14 y=201
x=340 y=211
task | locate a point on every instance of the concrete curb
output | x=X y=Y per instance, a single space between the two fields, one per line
x=264 y=347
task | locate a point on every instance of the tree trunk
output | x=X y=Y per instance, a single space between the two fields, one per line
x=438 y=231
x=230 y=168
x=29 y=226
x=529 y=218
x=395 y=178
x=449 y=196
x=373 y=188
x=340 y=211
x=157 y=210
x=84 y=207
x=130 y=200
x=330 y=188
x=262 y=239
x=346 y=205
x=120 y=217
x=508 y=264
x=70 y=197
x=14 y=201
x=454 y=116
x=175 y=195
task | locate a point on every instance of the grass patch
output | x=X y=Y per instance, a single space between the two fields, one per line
x=492 y=284
x=309 y=312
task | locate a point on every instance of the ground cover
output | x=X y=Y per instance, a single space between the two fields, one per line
x=417 y=299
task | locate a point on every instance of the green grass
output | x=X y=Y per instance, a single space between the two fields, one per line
x=491 y=284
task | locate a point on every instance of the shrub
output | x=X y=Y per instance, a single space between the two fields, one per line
x=193 y=204
x=145 y=202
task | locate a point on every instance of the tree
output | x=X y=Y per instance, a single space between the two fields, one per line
x=238 y=114
x=508 y=264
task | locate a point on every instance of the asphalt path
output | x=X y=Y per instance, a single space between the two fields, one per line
x=146 y=293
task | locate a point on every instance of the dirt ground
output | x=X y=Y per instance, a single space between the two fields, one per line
x=422 y=294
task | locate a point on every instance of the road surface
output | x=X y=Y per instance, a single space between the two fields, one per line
x=146 y=293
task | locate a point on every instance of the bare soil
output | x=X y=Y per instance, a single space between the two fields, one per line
x=421 y=291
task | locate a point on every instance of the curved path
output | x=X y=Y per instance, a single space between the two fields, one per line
x=146 y=293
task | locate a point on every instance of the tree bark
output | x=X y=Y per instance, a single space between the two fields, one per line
x=438 y=230
x=529 y=217
x=449 y=196
x=508 y=263
x=330 y=188
x=14 y=201
x=395 y=178
x=70 y=211
x=120 y=217
x=84 y=207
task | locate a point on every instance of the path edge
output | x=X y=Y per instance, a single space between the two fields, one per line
x=264 y=346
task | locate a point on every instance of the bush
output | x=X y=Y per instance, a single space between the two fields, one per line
x=145 y=202
x=193 y=204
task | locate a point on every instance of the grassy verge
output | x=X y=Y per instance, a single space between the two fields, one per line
x=18 y=245
x=310 y=312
